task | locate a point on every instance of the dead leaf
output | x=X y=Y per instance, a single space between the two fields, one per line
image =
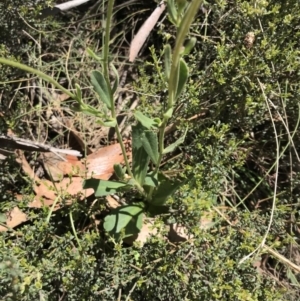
x=102 y=161
x=47 y=192
x=57 y=168
x=14 y=218
x=99 y=165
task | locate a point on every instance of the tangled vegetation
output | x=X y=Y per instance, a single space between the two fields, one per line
x=238 y=164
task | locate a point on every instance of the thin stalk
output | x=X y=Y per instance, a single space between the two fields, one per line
x=161 y=138
x=107 y=38
x=38 y=73
x=181 y=35
x=106 y=75
x=123 y=151
x=74 y=230
x=105 y=53
x=182 y=31
x=52 y=209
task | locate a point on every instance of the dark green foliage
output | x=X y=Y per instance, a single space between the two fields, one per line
x=41 y=262
x=228 y=149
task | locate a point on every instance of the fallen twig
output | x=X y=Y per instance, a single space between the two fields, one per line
x=13 y=142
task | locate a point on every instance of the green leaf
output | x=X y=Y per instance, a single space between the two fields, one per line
x=183 y=76
x=117 y=80
x=111 y=123
x=102 y=187
x=181 y=5
x=87 y=109
x=169 y=113
x=93 y=55
x=150 y=144
x=78 y=93
x=151 y=180
x=3 y=218
x=132 y=182
x=120 y=173
x=172 y=12
x=127 y=217
x=101 y=87
x=140 y=158
x=165 y=190
x=135 y=225
x=157 y=121
x=174 y=145
x=145 y=121
x=167 y=53
x=290 y=275
x=189 y=46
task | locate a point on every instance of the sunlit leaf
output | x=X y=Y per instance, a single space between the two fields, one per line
x=169 y=113
x=150 y=144
x=128 y=217
x=101 y=87
x=93 y=54
x=165 y=190
x=110 y=123
x=140 y=158
x=167 y=53
x=3 y=218
x=147 y=122
x=172 y=12
x=78 y=93
x=183 y=76
x=120 y=173
x=150 y=180
x=103 y=187
x=174 y=145
x=189 y=46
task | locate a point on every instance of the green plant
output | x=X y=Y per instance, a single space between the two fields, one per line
x=152 y=189
x=227 y=152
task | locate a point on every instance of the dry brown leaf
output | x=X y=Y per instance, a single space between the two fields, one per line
x=14 y=218
x=45 y=196
x=57 y=168
x=178 y=233
x=61 y=97
x=102 y=161
x=99 y=164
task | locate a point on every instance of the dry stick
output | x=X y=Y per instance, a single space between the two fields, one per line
x=144 y=32
x=283 y=259
x=28 y=145
x=52 y=11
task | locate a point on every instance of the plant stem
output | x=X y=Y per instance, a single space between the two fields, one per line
x=105 y=64
x=74 y=230
x=38 y=73
x=107 y=38
x=123 y=150
x=106 y=75
x=182 y=31
x=161 y=137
